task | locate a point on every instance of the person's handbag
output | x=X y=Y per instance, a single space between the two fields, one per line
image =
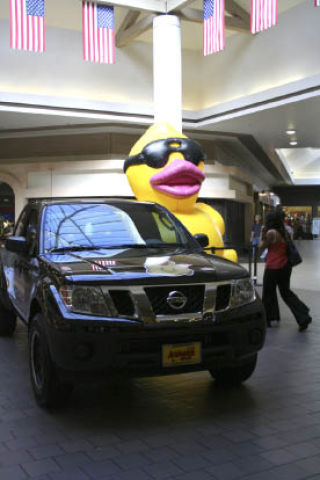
x=294 y=256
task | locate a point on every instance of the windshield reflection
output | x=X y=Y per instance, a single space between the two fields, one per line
x=88 y=226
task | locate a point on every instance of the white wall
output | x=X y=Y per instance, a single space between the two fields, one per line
x=60 y=76
x=103 y=177
x=250 y=64
x=61 y=71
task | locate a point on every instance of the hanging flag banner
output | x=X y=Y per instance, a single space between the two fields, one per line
x=98 y=33
x=317 y=3
x=27 y=25
x=213 y=26
x=263 y=14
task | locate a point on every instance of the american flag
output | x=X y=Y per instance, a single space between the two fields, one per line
x=27 y=25
x=98 y=33
x=263 y=14
x=213 y=26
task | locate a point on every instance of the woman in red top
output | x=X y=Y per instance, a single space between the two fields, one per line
x=277 y=273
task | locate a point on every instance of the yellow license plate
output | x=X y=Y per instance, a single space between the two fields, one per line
x=181 y=354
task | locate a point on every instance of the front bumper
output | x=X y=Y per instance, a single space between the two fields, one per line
x=88 y=349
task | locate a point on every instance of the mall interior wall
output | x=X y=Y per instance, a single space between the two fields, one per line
x=300 y=195
x=251 y=66
x=250 y=69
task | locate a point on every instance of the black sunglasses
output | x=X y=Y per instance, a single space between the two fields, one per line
x=156 y=154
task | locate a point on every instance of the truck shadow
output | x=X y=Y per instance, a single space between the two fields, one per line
x=153 y=403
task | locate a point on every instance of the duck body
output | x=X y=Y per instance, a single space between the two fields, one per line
x=167 y=168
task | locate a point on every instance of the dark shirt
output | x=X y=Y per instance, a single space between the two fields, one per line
x=256 y=229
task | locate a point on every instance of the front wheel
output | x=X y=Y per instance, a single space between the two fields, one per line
x=233 y=376
x=49 y=391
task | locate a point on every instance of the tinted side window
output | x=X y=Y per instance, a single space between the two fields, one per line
x=33 y=219
x=21 y=227
x=27 y=220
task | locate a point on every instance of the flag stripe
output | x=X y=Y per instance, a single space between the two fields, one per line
x=27 y=32
x=84 y=40
x=98 y=41
x=213 y=34
x=13 y=24
x=263 y=14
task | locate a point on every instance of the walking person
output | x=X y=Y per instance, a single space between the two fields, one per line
x=254 y=239
x=256 y=231
x=277 y=273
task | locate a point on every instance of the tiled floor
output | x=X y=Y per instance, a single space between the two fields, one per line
x=179 y=427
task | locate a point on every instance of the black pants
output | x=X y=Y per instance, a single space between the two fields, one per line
x=281 y=278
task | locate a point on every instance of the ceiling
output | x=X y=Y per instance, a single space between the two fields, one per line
x=191 y=37
x=269 y=128
x=266 y=125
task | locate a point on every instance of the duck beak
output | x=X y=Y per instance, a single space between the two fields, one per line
x=179 y=178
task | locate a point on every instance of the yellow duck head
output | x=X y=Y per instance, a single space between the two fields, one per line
x=166 y=167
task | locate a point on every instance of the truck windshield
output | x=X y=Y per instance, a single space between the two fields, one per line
x=118 y=225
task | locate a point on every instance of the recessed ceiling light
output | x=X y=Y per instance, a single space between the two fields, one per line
x=293 y=143
x=290 y=132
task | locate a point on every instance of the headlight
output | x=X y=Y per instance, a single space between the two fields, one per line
x=242 y=292
x=86 y=300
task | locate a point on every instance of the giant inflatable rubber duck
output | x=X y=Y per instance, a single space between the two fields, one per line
x=166 y=167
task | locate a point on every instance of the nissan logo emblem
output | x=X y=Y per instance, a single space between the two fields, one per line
x=176 y=300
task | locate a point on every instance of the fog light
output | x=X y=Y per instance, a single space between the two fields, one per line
x=83 y=351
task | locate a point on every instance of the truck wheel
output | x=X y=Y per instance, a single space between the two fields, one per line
x=49 y=391
x=8 y=321
x=233 y=376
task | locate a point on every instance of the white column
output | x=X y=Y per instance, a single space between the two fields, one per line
x=167 y=84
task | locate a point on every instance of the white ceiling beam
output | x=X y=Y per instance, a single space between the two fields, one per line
x=236 y=11
x=128 y=21
x=158 y=6
x=175 y=4
x=191 y=15
x=232 y=23
x=131 y=28
x=135 y=30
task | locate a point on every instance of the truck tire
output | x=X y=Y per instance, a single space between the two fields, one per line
x=8 y=321
x=49 y=391
x=234 y=376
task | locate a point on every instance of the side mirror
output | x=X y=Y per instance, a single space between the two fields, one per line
x=17 y=245
x=202 y=239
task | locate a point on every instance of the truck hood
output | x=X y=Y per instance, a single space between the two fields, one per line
x=126 y=265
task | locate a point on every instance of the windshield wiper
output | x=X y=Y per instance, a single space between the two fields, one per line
x=78 y=248
x=73 y=248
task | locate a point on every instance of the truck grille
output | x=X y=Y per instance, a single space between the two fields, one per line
x=158 y=299
x=139 y=302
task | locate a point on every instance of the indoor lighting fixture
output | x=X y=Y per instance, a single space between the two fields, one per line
x=293 y=143
x=290 y=132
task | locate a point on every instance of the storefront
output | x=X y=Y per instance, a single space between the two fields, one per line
x=300 y=219
x=266 y=201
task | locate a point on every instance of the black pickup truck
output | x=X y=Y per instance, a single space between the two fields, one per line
x=118 y=286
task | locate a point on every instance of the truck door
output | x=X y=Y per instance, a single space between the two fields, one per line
x=25 y=265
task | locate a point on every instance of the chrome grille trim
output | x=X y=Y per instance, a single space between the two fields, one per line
x=143 y=308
